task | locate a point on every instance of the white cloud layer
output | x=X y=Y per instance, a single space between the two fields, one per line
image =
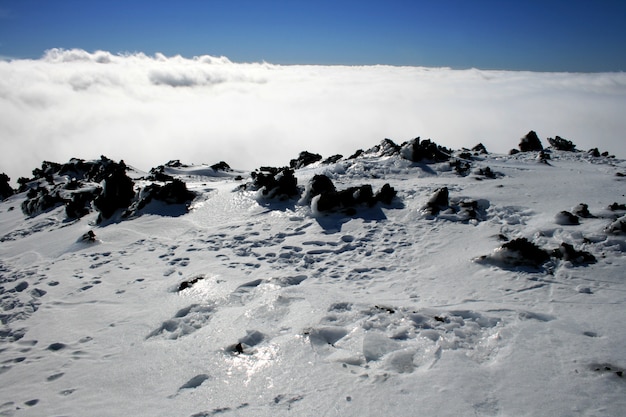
x=150 y=109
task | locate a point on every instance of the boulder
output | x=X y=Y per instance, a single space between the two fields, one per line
x=117 y=192
x=275 y=182
x=565 y=218
x=439 y=201
x=329 y=198
x=305 y=158
x=561 y=144
x=221 y=166
x=530 y=142
x=480 y=148
x=417 y=150
x=523 y=252
x=5 y=189
x=567 y=252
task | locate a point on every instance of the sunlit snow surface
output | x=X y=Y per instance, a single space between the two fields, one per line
x=389 y=312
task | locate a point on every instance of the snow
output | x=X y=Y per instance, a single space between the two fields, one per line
x=292 y=311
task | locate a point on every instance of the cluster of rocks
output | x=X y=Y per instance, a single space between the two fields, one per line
x=281 y=184
x=102 y=185
x=456 y=209
x=521 y=252
x=274 y=183
x=532 y=143
x=324 y=196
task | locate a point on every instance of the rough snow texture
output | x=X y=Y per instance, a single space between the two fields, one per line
x=250 y=307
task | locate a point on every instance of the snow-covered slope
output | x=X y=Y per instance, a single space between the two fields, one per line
x=283 y=310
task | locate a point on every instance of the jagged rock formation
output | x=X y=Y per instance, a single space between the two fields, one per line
x=5 y=189
x=530 y=142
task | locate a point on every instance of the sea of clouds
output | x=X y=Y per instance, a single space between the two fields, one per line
x=151 y=109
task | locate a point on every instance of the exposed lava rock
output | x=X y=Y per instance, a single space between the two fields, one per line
x=561 y=144
x=567 y=252
x=5 y=189
x=173 y=192
x=439 y=201
x=221 y=166
x=480 y=148
x=530 y=142
x=617 y=227
x=461 y=167
x=523 y=252
x=594 y=152
x=117 y=192
x=582 y=210
x=417 y=150
x=275 y=182
x=328 y=198
x=158 y=174
x=79 y=204
x=305 y=158
x=487 y=172
x=41 y=199
x=565 y=218
x=332 y=159
x=386 y=148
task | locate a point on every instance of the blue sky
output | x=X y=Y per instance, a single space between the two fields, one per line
x=538 y=35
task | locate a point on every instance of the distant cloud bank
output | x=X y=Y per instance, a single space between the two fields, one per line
x=150 y=109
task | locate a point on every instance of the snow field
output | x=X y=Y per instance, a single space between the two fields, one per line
x=293 y=312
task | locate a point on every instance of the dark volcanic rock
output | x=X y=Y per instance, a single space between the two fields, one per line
x=439 y=201
x=386 y=194
x=417 y=150
x=41 y=199
x=321 y=184
x=79 y=204
x=561 y=144
x=582 y=210
x=386 y=148
x=221 y=166
x=173 y=192
x=305 y=158
x=486 y=172
x=332 y=159
x=616 y=206
x=567 y=252
x=565 y=218
x=158 y=174
x=5 y=189
x=617 y=227
x=461 y=167
x=530 y=142
x=480 y=148
x=275 y=182
x=331 y=199
x=594 y=152
x=527 y=253
x=117 y=192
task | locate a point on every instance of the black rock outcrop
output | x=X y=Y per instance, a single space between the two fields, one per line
x=305 y=158
x=530 y=142
x=561 y=144
x=332 y=199
x=5 y=189
x=117 y=192
x=417 y=150
x=439 y=201
x=275 y=182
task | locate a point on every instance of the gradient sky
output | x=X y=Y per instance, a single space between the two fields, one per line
x=537 y=35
